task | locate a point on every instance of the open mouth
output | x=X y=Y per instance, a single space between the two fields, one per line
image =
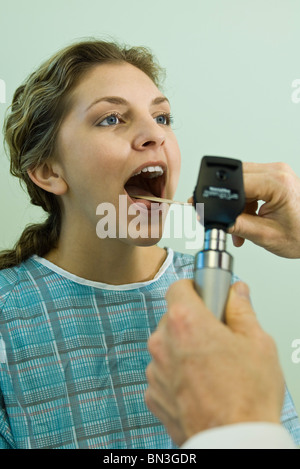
x=150 y=181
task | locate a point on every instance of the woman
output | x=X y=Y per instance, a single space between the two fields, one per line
x=89 y=127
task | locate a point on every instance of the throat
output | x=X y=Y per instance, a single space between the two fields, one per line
x=148 y=186
x=134 y=190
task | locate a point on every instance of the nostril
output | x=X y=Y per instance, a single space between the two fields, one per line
x=150 y=142
x=143 y=141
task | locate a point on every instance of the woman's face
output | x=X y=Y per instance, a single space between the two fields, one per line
x=118 y=126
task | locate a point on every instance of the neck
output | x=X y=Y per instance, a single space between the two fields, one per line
x=111 y=261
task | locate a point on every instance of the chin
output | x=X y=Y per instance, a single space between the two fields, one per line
x=146 y=243
x=147 y=238
x=146 y=228
x=144 y=234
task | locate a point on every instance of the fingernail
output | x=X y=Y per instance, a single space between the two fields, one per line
x=242 y=289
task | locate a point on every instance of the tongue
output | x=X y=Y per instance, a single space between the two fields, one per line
x=134 y=190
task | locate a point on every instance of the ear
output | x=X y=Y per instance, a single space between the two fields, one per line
x=48 y=177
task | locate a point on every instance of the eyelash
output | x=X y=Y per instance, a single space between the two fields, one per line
x=167 y=115
x=111 y=114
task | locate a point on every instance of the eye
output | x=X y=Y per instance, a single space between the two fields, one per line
x=164 y=119
x=112 y=119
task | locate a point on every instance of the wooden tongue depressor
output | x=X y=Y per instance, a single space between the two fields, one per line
x=159 y=199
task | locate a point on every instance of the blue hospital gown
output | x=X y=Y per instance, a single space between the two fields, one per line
x=73 y=355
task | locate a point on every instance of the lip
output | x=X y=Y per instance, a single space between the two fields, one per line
x=145 y=165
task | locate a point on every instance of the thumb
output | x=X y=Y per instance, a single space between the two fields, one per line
x=240 y=316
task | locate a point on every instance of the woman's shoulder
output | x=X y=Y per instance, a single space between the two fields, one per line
x=9 y=278
x=12 y=280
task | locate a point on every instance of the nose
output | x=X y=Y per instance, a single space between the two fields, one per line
x=148 y=134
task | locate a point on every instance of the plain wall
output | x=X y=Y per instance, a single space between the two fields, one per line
x=230 y=68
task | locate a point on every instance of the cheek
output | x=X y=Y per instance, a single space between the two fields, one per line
x=105 y=159
x=92 y=165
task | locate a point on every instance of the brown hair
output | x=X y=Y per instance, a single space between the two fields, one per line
x=37 y=111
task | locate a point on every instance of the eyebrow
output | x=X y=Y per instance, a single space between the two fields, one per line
x=124 y=102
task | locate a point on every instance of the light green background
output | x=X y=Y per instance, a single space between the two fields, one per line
x=230 y=65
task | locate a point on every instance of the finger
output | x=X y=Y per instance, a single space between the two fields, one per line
x=255 y=175
x=154 y=399
x=166 y=413
x=155 y=375
x=185 y=309
x=240 y=316
x=237 y=241
x=256 y=168
x=183 y=292
x=157 y=395
x=155 y=344
x=261 y=186
x=187 y=313
x=250 y=209
x=261 y=231
x=266 y=168
x=272 y=186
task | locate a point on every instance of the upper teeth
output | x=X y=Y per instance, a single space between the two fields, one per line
x=156 y=170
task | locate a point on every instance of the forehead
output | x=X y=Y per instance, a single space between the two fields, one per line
x=121 y=79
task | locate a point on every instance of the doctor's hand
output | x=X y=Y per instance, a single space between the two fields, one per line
x=205 y=374
x=275 y=226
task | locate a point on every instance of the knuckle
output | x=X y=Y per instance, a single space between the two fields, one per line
x=266 y=342
x=151 y=401
x=282 y=167
x=177 y=316
x=175 y=289
x=154 y=343
x=271 y=344
x=283 y=173
x=149 y=372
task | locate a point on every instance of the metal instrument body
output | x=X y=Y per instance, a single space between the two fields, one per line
x=213 y=272
x=220 y=187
